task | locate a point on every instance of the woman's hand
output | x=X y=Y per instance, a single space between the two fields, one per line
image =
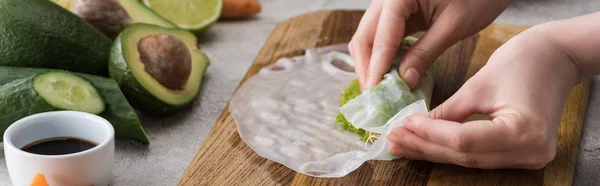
x=386 y=22
x=523 y=88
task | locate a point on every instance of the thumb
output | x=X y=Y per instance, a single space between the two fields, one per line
x=458 y=107
x=426 y=50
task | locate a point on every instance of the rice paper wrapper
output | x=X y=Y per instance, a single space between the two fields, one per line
x=377 y=105
x=287 y=111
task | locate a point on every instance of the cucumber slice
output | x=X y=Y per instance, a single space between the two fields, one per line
x=68 y=91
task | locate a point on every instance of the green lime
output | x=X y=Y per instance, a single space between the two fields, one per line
x=192 y=15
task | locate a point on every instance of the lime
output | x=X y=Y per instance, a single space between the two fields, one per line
x=66 y=4
x=192 y=15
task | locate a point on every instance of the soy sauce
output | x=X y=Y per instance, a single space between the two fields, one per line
x=59 y=146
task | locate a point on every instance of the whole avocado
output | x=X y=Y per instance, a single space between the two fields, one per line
x=41 y=34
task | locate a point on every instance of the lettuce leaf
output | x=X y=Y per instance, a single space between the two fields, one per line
x=376 y=105
x=350 y=93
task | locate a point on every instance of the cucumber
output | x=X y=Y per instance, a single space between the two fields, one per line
x=64 y=90
x=16 y=105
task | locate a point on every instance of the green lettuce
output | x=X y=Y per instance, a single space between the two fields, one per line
x=376 y=105
x=350 y=93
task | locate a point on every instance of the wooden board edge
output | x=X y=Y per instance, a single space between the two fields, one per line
x=554 y=171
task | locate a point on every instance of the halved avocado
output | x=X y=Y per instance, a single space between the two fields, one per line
x=112 y=16
x=159 y=70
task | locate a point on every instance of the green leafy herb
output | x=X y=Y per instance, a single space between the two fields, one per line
x=350 y=93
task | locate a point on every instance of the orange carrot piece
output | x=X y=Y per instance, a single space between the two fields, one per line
x=39 y=180
x=234 y=9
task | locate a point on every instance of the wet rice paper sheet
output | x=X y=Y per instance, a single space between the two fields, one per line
x=287 y=112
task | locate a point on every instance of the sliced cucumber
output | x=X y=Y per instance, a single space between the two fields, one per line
x=68 y=91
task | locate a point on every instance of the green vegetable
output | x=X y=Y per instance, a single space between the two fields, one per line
x=350 y=93
x=63 y=90
x=376 y=105
x=112 y=16
x=16 y=103
x=41 y=34
x=160 y=70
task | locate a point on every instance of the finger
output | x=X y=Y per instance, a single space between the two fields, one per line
x=390 y=31
x=362 y=42
x=412 y=142
x=475 y=136
x=412 y=155
x=427 y=49
x=398 y=151
x=415 y=147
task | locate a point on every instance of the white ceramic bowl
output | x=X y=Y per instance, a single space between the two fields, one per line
x=90 y=167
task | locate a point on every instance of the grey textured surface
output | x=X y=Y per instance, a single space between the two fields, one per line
x=232 y=46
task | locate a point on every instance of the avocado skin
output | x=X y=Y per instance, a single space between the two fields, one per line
x=137 y=95
x=41 y=34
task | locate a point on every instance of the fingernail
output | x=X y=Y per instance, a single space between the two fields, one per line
x=408 y=123
x=411 y=76
x=393 y=137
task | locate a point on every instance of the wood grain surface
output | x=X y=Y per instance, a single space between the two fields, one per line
x=224 y=159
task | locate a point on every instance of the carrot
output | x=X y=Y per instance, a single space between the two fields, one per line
x=235 y=9
x=39 y=180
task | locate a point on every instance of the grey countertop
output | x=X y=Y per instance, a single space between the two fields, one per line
x=232 y=46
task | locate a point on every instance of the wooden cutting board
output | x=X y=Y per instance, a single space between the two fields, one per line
x=224 y=159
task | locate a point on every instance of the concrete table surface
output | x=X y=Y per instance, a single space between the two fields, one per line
x=232 y=46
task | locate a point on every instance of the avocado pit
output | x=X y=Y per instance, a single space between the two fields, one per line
x=166 y=59
x=108 y=16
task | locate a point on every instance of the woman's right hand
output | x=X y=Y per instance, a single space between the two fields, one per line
x=523 y=88
x=387 y=22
